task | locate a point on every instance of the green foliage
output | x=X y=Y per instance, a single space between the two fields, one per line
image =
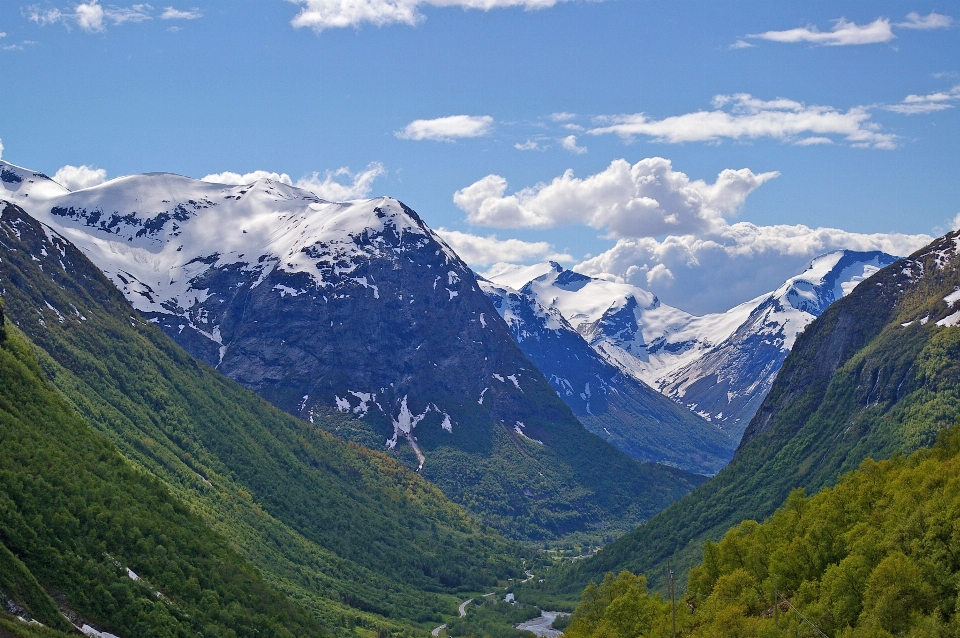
x=866 y=379
x=493 y=619
x=877 y=555
x=345 y=532
x=75 y=515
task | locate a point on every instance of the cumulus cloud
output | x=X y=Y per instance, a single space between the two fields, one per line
x=483 y=251
x=1 y=149
x=648 y=198
x=843 y=33
x=447 y=129
x=237 y=179
x=742 y=116
x=331 y=189
x=562 y=116
x=569 y=143
x=330 y=14
x=918 y=104
x=77 y=177
x=741 y=44
x=170 y=13
x=932 y=21
x=731 y=263
x=330 y=186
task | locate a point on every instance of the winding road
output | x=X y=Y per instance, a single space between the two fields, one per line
x=463 y=612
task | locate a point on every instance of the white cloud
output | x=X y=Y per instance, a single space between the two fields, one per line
x=843 y=33
x=748 y=117
x=484 y=251
x=562 y=117
x=170 y=13
x=529 y=145
x=237 y=179
x=327 y=187
x=89 y=16
x=708 y=272
x=136 y=13
x=43 y=17
x=813 y=141
x=77 y=177
x=1 y=149
x=932 y=21
x=332 y=190
x=648 y=198
x=569 y=143
x=955 y=225
x=447 y=129
x=329 y=14
x=917 y=104
x=3 y=34
x=741 y=44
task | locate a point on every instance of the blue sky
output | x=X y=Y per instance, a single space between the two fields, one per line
x=830 y=124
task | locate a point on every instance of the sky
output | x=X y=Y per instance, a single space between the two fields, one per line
x=705 y=151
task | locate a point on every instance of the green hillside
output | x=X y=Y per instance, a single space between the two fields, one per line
x=872 y=377
x=75 y=516
x=346 y=532
x=874 y=556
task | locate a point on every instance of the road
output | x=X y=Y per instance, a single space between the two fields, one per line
x=463 y=612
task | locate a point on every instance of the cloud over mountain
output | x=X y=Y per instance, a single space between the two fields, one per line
x=645 y=199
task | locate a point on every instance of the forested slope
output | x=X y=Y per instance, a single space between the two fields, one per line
x=111 y=543
x=874 y=556
x=346 y=532
x=876 y=374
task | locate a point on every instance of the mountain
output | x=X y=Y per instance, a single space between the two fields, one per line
x=356 y=307
x=718 y=365
x=624 y=411
x=875 y=375
x=347 y=533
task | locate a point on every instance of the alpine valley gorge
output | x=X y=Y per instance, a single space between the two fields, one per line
x=245 y=410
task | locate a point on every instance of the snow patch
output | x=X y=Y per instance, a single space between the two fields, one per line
x=952 y=320
x=286 y=290
x=343 y=405
x=90 y=631
x=484 y=391
x=364 y=406
x=518 y=428
x=953 y=297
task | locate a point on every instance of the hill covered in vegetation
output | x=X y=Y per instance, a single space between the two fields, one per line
x=81 y=528
x=876 y=555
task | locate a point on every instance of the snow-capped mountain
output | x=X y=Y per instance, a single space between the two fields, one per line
x=199 y=258
x=357 y=308
x=718 y=365
x=624 y=411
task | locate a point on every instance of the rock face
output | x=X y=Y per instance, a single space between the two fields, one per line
x=626 y=412
x=357 y=307
x=721 y=365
